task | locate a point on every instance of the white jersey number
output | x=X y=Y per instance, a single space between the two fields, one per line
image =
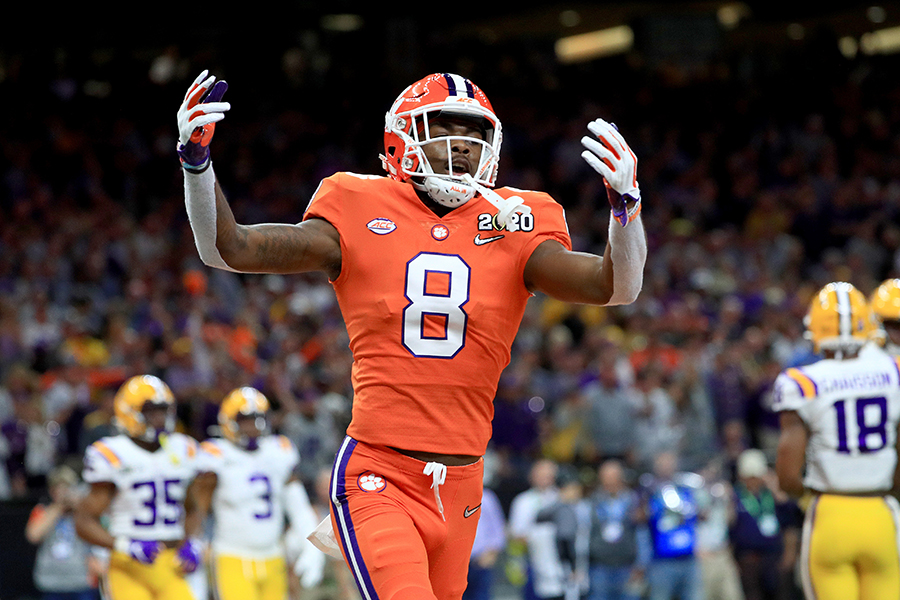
x=434 y=322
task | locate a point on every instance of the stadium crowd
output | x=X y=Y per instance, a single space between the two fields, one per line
x=762 y=182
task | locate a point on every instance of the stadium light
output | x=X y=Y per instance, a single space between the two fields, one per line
x=731 y=14
x=881 y=41
x=342 y=22
x=595 y=44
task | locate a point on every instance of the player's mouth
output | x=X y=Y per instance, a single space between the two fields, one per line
x=460 y=166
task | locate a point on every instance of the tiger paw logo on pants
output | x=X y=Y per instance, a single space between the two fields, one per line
x=370 y=482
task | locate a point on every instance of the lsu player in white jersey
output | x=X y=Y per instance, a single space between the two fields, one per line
x=140 y=479
x=885 y=301
x=838 y=447
x=248 y=480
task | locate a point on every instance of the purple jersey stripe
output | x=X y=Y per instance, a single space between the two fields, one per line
x=347 y=533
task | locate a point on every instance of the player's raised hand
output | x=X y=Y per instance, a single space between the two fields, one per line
x=200 y=110
x=610 y=155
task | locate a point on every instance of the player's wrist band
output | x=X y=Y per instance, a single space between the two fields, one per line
x=196 y=169
x=122 y=544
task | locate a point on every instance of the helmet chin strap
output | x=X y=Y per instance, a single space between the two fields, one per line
x=506 y=206
x=447 y=192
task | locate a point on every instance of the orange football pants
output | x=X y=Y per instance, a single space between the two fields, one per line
x=392 y=534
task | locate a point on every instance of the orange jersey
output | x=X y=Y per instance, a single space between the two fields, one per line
x=432 y=306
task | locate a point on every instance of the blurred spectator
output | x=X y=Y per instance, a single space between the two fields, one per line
x=619 y=552
x=521 y=524
x=308 y=422
x=5 y=486
x=64 y=568
x=490 y=542
x=670 y=503
x=764 y=530
x=611 y=410
x=721 y=580
x=562 y=573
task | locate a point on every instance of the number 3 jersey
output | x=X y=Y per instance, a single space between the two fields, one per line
x=432 y=306
x=150 y=486
x=851 y=408
x=247 y=504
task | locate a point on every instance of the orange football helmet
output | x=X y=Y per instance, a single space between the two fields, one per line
x=406 y=130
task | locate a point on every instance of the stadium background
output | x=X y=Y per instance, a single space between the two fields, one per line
x=767 y=137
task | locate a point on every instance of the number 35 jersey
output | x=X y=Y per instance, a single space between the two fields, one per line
x=247 y=504
x=150 y=486
x=851 y=408
x=432 y=306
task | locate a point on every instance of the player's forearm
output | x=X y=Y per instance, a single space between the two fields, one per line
x=197 y=502
x=201 y=199
x=791 y=454
x=92 y=531
x=628 y=255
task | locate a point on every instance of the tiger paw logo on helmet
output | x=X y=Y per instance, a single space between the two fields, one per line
x=370 y=482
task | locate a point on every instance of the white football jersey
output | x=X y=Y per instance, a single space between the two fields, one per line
x=150 y=486
x=851 y=408
x=248 y=504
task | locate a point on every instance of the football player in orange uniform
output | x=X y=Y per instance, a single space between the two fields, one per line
x=432 y=268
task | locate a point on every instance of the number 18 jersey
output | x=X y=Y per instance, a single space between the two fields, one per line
x=432 y=306
x=851 y=408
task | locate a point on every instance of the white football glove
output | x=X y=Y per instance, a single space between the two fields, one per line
x=310 y=565
x=197 y=116
x=611 y=156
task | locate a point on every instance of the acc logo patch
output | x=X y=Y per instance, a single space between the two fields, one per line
x=370 y=482
x=381 y=226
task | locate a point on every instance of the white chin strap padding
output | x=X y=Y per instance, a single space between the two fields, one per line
x=448 y=192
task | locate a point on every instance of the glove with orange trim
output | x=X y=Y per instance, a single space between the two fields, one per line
x=201 y=109
x=611 y=156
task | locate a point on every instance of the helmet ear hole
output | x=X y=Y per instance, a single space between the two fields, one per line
x=391 y=150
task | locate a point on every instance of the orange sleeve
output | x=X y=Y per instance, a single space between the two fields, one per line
x=549 y=224
x=327 y=201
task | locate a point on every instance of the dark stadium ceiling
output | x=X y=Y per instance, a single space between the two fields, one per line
x=761 y=21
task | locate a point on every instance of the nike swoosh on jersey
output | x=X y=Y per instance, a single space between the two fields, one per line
x=480 y=241
x=471 y=511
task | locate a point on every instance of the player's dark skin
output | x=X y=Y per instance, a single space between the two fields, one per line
x=314 y=245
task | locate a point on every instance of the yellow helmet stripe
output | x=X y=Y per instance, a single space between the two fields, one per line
x=807 y=386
